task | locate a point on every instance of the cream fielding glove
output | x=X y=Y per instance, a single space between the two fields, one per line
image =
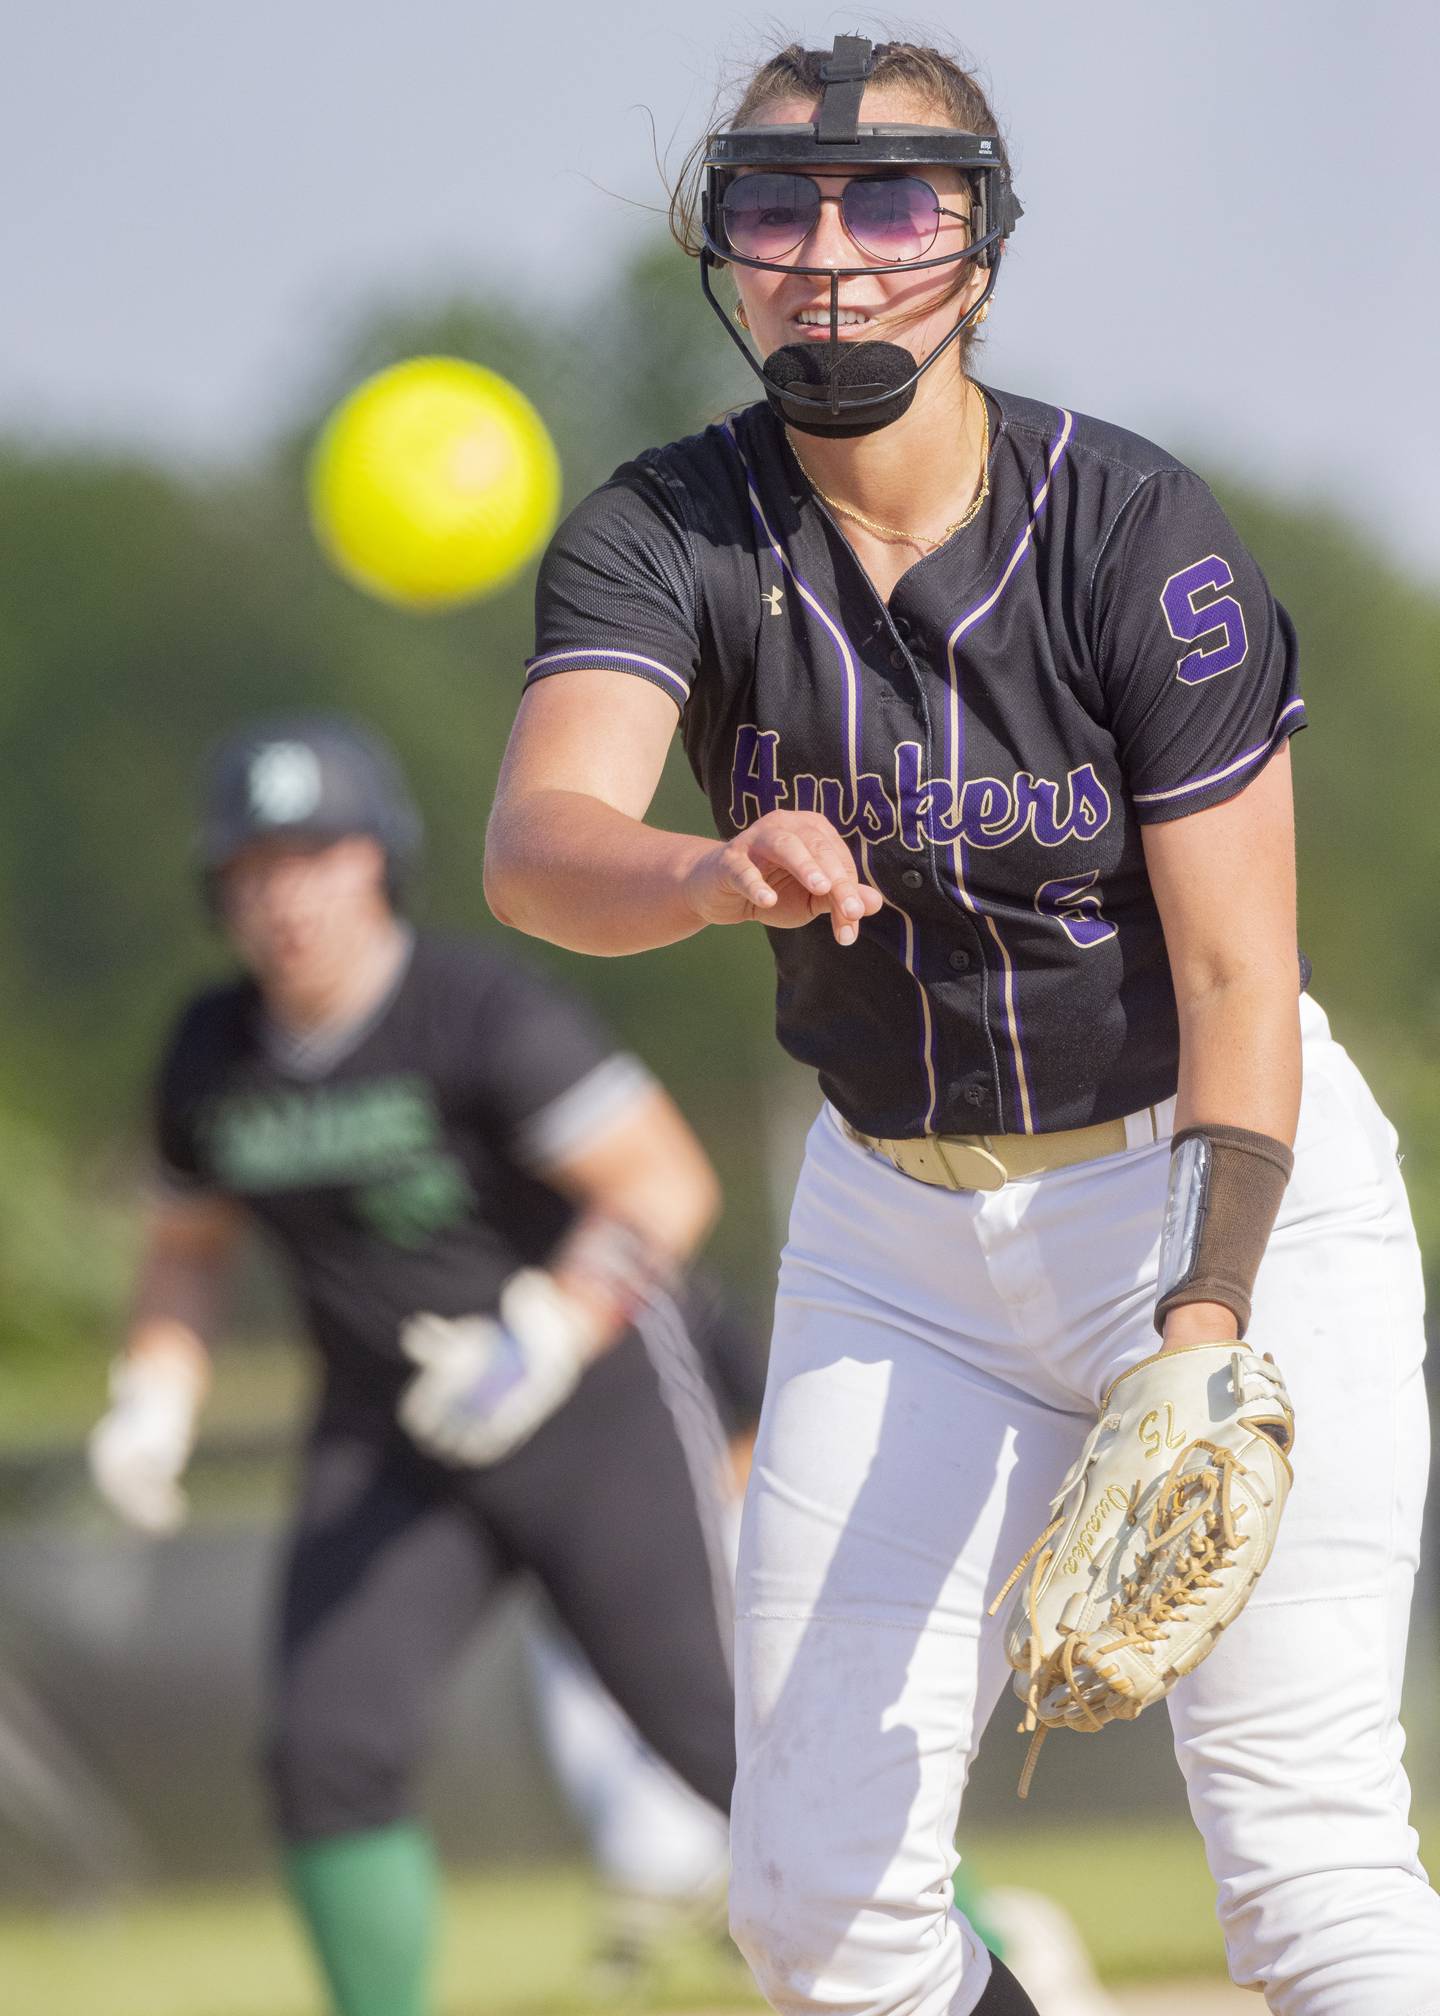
x=1158 y=1536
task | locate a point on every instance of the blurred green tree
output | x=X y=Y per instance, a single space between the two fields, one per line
x=142 y=614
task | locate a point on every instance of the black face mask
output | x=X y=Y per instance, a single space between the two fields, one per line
x=846 y=389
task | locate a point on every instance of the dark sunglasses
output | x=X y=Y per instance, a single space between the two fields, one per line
x=769 y=215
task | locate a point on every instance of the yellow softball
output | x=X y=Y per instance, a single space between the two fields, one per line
x=433 y=483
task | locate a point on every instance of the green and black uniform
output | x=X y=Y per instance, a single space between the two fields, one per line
x=402 y=1170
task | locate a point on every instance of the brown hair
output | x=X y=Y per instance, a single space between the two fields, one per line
x=795 y=72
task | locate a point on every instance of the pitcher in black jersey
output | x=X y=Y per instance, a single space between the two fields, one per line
x=993 y=710
x=478 y=1198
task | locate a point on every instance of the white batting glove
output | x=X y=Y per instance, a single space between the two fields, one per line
x=486 y=1383
x=139 y=1449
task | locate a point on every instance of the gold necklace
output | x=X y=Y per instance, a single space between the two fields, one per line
x=893 y=532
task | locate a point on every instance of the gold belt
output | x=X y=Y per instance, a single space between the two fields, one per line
x=990 y=1161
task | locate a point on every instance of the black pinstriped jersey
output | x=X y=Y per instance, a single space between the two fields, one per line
x=1096 y=651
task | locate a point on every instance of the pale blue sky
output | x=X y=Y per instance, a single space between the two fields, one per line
x=1229 y=242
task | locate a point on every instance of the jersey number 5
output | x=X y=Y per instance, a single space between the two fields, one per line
x=1072 y=901
x=1217 y=626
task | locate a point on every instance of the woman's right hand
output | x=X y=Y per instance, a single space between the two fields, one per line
x=786 y=870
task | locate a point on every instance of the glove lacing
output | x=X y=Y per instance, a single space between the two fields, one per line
x=1196 y=1512
x=1201 y=1507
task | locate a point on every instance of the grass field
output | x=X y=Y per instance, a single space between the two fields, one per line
x=516 y=1942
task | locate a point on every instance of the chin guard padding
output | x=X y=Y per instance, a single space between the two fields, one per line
x=810 y=392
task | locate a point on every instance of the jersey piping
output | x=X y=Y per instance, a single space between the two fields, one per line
x=852 y=713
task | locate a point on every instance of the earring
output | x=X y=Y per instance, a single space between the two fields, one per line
x=983 y=316
x=740 y=315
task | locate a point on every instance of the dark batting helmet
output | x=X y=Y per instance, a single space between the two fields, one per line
x=307 y=776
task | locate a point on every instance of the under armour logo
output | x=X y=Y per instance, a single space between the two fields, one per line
x=772 y=598
x=284 y=783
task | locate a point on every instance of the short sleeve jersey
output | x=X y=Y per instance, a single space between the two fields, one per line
x=1095 y=652
x=408 y=1175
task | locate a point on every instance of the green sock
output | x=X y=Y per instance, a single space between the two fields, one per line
x=369 y=1902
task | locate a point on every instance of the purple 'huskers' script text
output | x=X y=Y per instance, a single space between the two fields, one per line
x=921 y=810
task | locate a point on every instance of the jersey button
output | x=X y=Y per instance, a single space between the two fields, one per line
x=960 y=962
x=913 y=879
x=974 y=1095
x=899 y=660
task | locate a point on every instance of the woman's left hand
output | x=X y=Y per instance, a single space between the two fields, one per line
x=1199 y=1323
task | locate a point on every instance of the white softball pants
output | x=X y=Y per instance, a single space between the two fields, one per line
x=938 y=1359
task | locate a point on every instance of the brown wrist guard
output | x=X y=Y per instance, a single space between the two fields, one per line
x=1225 y=1190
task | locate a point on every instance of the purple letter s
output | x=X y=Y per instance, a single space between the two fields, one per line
x=1221 y=618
